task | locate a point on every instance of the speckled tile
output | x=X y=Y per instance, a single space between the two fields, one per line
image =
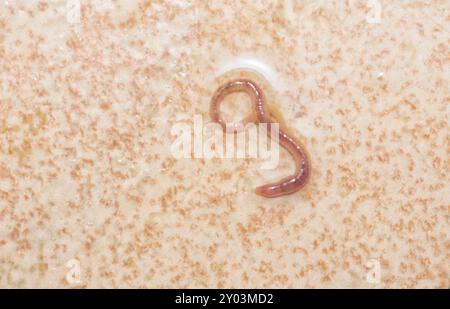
x=91 y=196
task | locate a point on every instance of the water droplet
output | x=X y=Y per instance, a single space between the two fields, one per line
x=380 y=74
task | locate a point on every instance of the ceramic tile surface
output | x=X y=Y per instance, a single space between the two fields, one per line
x=92 y=196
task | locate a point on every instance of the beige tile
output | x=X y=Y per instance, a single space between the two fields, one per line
x=91 y=195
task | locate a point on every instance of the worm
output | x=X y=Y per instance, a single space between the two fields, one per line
x=289 y=184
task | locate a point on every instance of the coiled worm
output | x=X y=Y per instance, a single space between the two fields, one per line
x=289 y=184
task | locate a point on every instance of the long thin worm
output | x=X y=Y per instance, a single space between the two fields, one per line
x=288 y=184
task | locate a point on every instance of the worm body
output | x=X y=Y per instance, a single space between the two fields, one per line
x=288 y=184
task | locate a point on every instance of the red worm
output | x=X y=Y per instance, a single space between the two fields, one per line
x=288 y=184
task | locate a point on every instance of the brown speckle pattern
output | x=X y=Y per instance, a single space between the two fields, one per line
x=90 y=191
